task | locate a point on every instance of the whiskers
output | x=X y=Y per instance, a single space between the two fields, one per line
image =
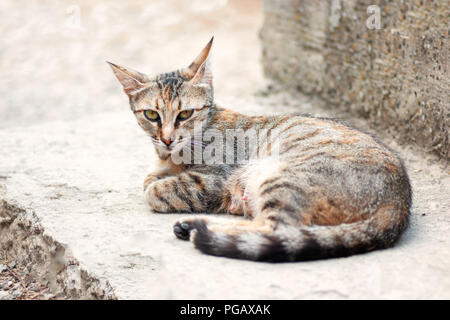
x=157 y=142
x=196 y=140
x=193 y=143
x=198 y=143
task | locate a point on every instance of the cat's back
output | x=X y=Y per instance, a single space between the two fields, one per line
x=327 y=156
x=303 y=138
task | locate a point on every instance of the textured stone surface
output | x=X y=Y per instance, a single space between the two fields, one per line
x=73 y=158
x=83 y=179
x=397 y=76
x=24 y=239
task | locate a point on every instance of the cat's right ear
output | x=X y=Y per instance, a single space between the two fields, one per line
x=131 y=81
x=195 y=66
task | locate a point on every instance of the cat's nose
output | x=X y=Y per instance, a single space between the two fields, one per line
x=167 y=142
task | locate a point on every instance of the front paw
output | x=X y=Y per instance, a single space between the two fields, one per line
x=152 y=177
x=182 y=229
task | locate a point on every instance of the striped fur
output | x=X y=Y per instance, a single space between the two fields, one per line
x=320 y=189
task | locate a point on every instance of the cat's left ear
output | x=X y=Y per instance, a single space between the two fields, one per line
x=204 y=75
x=199 y=71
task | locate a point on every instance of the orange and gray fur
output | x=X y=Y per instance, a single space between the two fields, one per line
x=331 y=191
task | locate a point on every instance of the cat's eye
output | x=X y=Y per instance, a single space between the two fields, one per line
x=183 y=115
x=151 y=115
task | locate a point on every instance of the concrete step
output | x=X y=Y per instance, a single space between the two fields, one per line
x=81 y=183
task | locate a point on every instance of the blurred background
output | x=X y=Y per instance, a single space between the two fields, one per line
x=393 y=73
x=52 y=53
x=80 y=168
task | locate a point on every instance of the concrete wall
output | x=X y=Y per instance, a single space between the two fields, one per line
x=397 y=76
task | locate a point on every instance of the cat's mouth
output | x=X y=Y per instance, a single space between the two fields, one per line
x=165 y=149
x=164 y=152
x=174 y=147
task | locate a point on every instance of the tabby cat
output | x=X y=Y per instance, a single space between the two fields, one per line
x=329 y=190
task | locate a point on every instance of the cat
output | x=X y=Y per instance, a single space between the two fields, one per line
x=236 y=198
x=329 y=190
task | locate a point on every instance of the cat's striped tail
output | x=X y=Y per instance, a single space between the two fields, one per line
x=290 y=243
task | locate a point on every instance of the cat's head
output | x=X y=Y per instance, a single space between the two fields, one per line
x=168 y=105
